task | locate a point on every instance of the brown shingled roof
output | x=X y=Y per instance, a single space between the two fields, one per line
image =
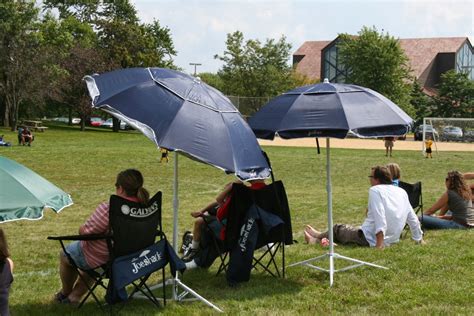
x=310 y=65
x=421 y=52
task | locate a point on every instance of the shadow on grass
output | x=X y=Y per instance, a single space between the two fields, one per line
x=259 y=286
x=132 y=307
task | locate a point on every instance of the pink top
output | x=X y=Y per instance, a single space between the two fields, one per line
x=96 y=252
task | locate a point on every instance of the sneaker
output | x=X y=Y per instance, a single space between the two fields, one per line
x=186 y=243
x=190 y=255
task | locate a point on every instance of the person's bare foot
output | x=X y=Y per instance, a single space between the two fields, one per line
x=313 y=232
x=310 y=239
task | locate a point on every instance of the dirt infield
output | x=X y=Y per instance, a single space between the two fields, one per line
x=357 y=143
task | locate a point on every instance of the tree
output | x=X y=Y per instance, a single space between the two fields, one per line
x=420 y=102
x=377 y=61
x=121 y=41
x=19 y=56
x=253 y=69
x=455 y=96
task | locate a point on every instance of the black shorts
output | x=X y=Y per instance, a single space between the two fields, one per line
x=428 y=150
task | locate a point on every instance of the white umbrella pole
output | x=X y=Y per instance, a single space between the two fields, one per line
x=176 y=283
x=330 y=224
x=331 y=254
x=175 y=202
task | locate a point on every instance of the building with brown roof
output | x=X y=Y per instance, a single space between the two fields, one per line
x=429 y=58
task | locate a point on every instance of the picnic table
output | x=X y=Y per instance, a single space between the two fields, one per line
x=35 y=125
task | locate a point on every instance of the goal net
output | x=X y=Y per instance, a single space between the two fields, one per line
x=443 y=129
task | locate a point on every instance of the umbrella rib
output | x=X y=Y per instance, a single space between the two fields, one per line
x=186 y=99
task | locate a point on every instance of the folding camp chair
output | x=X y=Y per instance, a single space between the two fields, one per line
x=415 y=196
x=271 y=199
x=131 y=242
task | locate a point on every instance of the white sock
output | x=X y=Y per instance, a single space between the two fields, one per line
x=191 y=265
x=195 y=244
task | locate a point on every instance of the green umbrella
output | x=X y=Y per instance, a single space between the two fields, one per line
x=24 y=194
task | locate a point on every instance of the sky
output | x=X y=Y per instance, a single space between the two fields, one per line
x=199 y=28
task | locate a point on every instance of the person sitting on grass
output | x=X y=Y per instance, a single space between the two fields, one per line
x=26 y=136
x=6 y=274
x=454 y=206
x=91 y=254
x=395 y=172
x=388 y=211
x=470 y=176
x=214 y=216
x=210 y=212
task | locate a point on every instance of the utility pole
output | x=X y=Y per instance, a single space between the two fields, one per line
x=195 y=66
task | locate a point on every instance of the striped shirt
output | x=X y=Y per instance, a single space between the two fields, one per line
x=96 y=252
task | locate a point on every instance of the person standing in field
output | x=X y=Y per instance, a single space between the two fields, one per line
x=428 y=144
x=388 y=145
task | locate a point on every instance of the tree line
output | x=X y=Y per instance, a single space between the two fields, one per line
x=46 y=50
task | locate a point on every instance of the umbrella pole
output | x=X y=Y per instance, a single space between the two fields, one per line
x=330 y=224
x=175 y=219
x=331 y=254
x=175 y=202
x=176 y=283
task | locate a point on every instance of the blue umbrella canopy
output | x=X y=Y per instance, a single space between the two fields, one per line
x=24 y=194
x=330 y=110
x=181 y=113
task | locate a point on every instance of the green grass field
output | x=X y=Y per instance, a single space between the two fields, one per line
x=435 y=279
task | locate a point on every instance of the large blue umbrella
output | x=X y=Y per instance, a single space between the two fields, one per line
x=330 y=110
x=182 y=114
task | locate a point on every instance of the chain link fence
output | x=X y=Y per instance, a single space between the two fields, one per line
x=248 y=105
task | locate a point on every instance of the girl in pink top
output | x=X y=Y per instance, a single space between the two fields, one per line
x=91 y=254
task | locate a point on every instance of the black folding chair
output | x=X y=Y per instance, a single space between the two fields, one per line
x=133 y=228
x=415 y=197
x=271 y=199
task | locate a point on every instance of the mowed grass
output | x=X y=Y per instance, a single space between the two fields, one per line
x=434 y=279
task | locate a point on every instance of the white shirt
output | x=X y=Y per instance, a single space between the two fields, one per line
x=388 y=211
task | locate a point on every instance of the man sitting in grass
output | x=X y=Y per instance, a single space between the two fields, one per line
x=388 y=211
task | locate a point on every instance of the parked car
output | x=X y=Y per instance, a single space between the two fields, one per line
x=429 y=131
x=451 y=133
x=109 y=124
x=96 y=121
x=61 y=119
x=76 y=120
x=468 y=135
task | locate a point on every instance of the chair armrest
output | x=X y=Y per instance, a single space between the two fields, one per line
x=81 y=237
x=160 y=233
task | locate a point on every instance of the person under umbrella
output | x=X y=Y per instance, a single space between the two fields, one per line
x=94 y=253
x=388 y=212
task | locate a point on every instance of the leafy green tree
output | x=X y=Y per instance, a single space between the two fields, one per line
x=421 y=103
x=377 y=61
x=255 y=69
x=20 y=57
x=122 y=41
x=455 y=96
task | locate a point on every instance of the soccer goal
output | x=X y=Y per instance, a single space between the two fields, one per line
x=443 y=129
